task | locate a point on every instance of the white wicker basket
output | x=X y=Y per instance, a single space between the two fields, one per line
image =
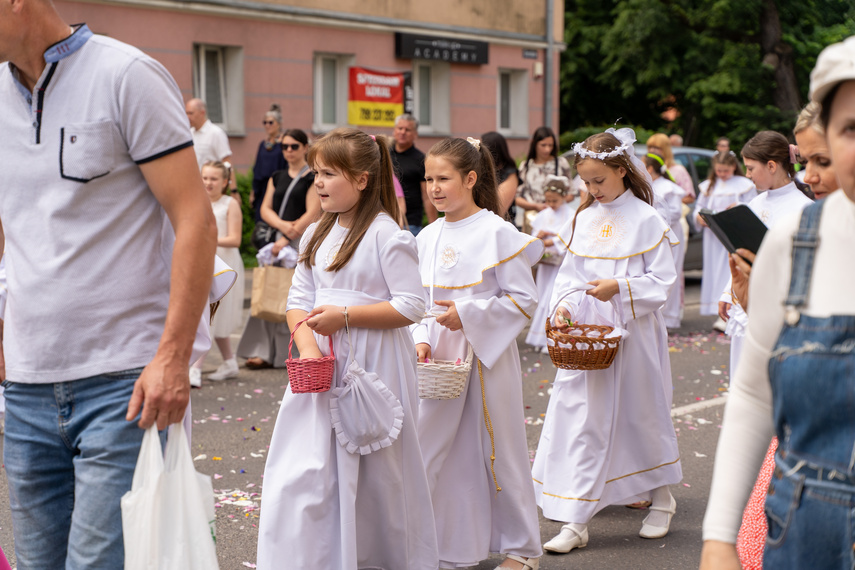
x=443 y=379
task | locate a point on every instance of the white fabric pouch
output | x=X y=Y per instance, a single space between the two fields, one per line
x=168 y=515
x=365 y=414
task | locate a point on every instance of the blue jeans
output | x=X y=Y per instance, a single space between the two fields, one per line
x=70 y=456
x=415 y=229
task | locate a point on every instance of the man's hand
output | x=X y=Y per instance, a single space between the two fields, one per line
x=162 y=391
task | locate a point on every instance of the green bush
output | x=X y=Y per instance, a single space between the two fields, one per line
x=247 y=250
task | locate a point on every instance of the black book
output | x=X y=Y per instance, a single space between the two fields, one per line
x=736 y=227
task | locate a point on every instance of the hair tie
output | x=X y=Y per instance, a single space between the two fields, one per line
x=373 y=138
x=474 y=142
x=794 y=151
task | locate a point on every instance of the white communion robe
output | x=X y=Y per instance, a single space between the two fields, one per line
x=770 y=206
x=725 y=193
x=608 y=438
x=483 y=264
x=551 y=221
x=323 y=507
x=673 y=195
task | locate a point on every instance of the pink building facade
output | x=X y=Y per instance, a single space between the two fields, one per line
x=242 y=56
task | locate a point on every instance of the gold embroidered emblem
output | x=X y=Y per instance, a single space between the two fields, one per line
x=606 y=232
x=449 y=256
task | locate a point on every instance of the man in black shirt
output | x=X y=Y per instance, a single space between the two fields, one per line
x=409 y=163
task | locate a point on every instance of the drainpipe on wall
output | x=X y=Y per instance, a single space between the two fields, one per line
x=548 y=78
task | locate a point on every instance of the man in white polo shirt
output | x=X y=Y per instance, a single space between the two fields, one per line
x=109 y=241
x=209 y=141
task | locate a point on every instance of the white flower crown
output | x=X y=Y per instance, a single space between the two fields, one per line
x=625 y=135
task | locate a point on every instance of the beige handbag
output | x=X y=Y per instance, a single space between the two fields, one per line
x=270 y=286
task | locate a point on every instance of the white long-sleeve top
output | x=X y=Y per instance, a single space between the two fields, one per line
x=748 y=426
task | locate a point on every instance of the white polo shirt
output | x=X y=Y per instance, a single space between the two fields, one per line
x=210 y=143
x=88 y=246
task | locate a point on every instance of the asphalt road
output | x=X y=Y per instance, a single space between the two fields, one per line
x=234 y=421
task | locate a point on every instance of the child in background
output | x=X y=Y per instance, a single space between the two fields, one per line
x=725 y=187
x=545 y=227
x=608 y=438
x=672 y=195
x=325 y=507
x=215 y=177
x=474 y=446
x=769 y=164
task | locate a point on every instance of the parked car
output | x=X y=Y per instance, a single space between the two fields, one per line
x=697 y=161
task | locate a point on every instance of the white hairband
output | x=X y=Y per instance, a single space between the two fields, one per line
x=474 y=142
x=625 y=135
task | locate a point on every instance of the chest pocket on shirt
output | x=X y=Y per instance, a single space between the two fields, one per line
x=87 y=150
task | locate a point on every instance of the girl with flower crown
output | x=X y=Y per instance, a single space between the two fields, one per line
x=608 y=437
x=477 y=269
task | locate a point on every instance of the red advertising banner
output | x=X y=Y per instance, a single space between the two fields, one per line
x=375 y=98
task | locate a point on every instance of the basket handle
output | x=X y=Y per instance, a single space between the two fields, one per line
x=291 y=343
x=558 y=302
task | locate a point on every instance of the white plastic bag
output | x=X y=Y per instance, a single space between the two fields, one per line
x=168 y=515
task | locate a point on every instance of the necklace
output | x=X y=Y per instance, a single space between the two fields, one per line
x=268 y=145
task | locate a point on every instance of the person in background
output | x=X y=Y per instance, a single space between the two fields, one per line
x=507 y=175
x=209 y=141
x=542 y=161
x=813 y=152
x=725 y=187
x=660 y=144
x=409 y=165
x=722 y=145
x=264 y=344
x=268 y=159
x=794 y=378
x=676 y=140
x=215 y=177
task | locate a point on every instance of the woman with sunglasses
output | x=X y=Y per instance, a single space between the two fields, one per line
x=265 y=344
x=269 y=158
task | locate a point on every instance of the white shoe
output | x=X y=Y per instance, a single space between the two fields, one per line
x=567 y=540
x=196 y=377
x=650 y=531
x=528 y=563
x=228 y=369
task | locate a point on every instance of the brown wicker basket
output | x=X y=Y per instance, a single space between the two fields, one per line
x=581 y=352
x=310 y=375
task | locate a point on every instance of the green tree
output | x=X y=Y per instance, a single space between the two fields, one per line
x=728 y=67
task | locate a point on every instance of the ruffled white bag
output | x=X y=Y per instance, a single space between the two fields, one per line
x=365 y=414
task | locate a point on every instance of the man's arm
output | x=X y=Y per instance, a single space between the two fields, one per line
x=163 y=388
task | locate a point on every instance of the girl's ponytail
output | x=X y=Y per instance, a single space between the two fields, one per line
x=486 y=189
x=387 y=186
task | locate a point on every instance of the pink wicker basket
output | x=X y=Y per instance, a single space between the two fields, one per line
x=309 y=375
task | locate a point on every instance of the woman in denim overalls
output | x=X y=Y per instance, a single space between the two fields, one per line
x=809 y=398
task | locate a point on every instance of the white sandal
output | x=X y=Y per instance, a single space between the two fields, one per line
x=528 y=563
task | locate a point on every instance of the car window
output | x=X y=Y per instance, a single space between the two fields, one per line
x=702 y=165
x=684 y=160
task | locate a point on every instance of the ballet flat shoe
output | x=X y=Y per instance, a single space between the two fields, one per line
x=528 y=563
x=567 y=540
x=650 y=531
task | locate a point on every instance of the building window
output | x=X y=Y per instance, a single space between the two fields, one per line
x=330 y=99
x=432 y=89
x=218 y=81
x=512 y=108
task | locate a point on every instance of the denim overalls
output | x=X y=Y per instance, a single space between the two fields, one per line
x=810 y=506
